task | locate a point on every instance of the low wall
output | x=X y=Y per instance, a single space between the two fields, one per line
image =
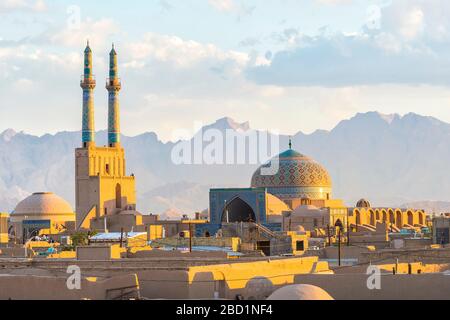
x=400 y=268
x=351 y=252
x=100 y=252
x=176 y=254
x=198 y=241
x=225 y=280
x=15 y=252
x=94 y=253
x=29 y=287
x=230 y=280
x=417 y=243
x=184 y=277
x=424 y=255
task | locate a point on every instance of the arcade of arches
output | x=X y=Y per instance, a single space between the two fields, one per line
x=395 y=218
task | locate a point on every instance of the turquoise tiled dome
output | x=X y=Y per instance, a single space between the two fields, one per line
x=298 y=177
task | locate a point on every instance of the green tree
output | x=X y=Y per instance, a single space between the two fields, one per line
x=81 y=238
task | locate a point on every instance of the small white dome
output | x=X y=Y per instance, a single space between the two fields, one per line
x=300 y=292
x=45 y=203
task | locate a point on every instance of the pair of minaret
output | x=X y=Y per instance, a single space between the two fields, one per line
x=113 y=86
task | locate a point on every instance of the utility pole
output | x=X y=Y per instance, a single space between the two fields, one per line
x=121 y=237
x=25 y=243
x=329 y=235
x=190 y=237
x=339 y=246
x=348 y=230
x=105 y=224
x=338 y=225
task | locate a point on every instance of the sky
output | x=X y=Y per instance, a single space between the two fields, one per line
x=283 y=65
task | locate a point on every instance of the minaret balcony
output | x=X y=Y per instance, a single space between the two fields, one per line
x=113 y=84
x=87 y=81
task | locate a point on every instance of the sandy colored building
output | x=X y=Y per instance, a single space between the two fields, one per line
x=4 y=238
x=296 y=179
x=41 y=213
x=441 y=229
x=299 y=193
x=396 y=218
x=105 y=193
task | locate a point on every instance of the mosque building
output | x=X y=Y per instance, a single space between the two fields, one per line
x=105 y=194
x=299 y=197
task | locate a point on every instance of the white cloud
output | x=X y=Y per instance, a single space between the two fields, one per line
x=409 y=46
x=405 y=20
x=181 y=53
x=98 y=32
x=334 y=2
x=417 y=20
x=272 y=91
x=412 y=24
x=18 y=5
x=241 y=9
x=388 y=42
x=22 y=85
x=223 y=5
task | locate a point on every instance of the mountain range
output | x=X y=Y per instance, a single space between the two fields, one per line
x=391 y=160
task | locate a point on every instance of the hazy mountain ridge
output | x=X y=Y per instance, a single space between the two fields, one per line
x=389 y=159
x=430 y=206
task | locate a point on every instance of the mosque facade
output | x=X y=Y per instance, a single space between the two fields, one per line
x=298 y=196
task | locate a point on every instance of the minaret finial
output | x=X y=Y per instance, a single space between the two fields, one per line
x=87 y=43
x=290 y=143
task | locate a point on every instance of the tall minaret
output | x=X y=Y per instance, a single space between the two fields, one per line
x=113 y=85
x=88 y=85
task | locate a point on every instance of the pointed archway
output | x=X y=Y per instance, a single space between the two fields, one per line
x=118 y=196
x=410 y=218
x=420 y=215
x=399 y=220
x=358 y=218
x=238 y=211
x=372 y=218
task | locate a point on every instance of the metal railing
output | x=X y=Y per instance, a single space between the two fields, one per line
x=265 y=230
